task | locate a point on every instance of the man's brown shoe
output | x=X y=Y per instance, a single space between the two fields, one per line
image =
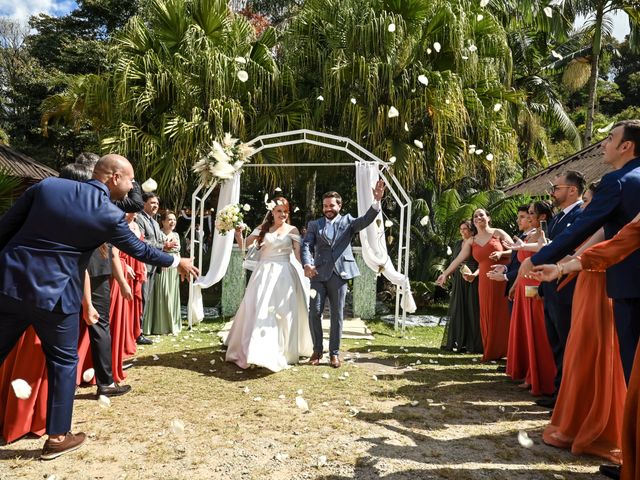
x=315 y=358
x=70 y=443
x=334 y=361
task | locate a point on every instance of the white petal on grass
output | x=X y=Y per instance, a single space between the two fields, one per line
x=524 y=440
x=374 y=378
x=353 y=411
x=21 y=388
x=246 y=390
x=391 y=27
x=282 y=396
x=436 y=46
x=388 y=223
x=320 y=98
x=213 y=361
x=325 y=375
x=557 y=476
x=322 y=460
x=418 y=143
x=302 y=404
x=606 y=129
x=88 y=375
x=155 y=358
x=548 y=11
x=176 y=426
x=241 y=60
x=243 y=76
x=393 y=112
x=497 y=107
x=447 y=101
x=299 y=392
x=345 y=374
x=423 y=80
x=489 y=157
x=104 y=401
x=414 y=403
x=424 y=220
x=281 y=457
x=347 y=403
x=257 y=399
x=353 y=100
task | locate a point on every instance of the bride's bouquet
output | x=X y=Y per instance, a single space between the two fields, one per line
x=222 y=161
x=230 y=217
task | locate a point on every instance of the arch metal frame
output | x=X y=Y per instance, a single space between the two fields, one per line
x=343 y=144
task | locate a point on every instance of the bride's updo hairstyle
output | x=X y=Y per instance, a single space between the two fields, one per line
x=268 y=219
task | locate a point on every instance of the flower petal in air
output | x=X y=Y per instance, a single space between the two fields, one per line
x=21 y=388
x=423 y=80
x=393 y=112
x=243 y=76
x=418 y=143
x=88 y=375
x=436 y=46
x=391 y=27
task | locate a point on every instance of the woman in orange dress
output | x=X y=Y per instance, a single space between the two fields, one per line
x=606 y=429
x=494 y=307
x=125 y=314
x=528 y=312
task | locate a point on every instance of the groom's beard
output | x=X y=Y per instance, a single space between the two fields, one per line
x=330 y=214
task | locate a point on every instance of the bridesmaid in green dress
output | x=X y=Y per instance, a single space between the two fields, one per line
x=163 y=314
x=462 y=331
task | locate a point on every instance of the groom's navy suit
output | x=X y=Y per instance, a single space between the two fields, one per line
x=615 y=203
x=330 y=252
x=46 y=240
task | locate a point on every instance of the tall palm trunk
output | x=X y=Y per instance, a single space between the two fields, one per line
x=593 y=79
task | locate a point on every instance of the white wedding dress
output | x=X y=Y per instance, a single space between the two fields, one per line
x=271 y=326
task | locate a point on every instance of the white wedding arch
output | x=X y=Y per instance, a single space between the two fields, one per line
x=369 y=168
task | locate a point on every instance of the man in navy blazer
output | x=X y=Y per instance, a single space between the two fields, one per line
x=46 y=240
x=615 y=203
x=329 y=263
x=566 y=190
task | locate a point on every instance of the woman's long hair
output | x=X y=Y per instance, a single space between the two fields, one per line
x=268 y=219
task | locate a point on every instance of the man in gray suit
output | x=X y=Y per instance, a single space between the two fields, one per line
x=153 y=237
x=329 y=264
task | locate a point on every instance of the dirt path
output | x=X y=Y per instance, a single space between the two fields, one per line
x=401 y=412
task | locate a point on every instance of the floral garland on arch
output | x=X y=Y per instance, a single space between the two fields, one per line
x=222 y=161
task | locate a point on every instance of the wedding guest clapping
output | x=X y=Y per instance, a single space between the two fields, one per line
x=494 y=311
x=163 y=313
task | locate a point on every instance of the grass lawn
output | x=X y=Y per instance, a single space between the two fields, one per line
x=399 y=408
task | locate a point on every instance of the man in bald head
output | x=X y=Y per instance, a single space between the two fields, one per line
x=46 y=240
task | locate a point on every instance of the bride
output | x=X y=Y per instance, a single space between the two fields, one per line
x=271 y=327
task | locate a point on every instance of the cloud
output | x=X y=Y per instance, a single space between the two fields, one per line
x=21 y=10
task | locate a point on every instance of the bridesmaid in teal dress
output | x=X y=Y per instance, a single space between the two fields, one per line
x=163 y=314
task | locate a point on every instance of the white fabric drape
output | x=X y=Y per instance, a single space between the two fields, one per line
x=374 y=247
x=220 y=249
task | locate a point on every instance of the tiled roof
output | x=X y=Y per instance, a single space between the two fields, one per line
x=587 y=161
x=17 y=164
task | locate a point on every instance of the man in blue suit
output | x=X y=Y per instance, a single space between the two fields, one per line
x=46 y=240
x=615 y=203
x=329 y=263
x=566 y=190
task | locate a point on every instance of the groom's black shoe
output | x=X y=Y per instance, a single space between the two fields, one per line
x=334 y=361
x=610 y=471
x=315 y=358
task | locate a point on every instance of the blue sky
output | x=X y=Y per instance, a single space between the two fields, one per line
x=22 y=9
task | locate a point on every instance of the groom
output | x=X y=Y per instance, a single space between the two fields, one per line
x=329 y=264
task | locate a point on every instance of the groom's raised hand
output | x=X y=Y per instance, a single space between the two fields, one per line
x=378 y=191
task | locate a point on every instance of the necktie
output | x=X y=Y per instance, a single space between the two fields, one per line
x=329 y=231
x=556 y=221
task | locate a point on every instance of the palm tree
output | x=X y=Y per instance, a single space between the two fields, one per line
x=599 y=26
x=8 y=185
